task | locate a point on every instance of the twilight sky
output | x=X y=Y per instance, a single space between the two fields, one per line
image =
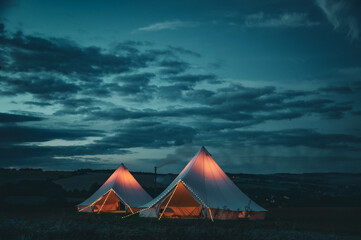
x=266 y=86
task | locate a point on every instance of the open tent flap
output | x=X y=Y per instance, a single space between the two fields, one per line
x=109 y=202
x=180 y=204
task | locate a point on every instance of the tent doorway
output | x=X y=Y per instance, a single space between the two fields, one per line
x=109 y=203
x=180 y=204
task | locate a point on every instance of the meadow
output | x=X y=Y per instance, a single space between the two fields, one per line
x=38 y=204
x=288 y=223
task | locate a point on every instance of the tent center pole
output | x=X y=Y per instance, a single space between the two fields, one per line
x=168 y=201
x=104 y=202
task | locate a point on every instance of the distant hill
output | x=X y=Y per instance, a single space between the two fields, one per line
x=26 y=186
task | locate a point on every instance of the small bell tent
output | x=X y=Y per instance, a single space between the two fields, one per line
x=120 y=193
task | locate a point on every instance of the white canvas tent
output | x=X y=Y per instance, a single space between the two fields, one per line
x=120 y=193
x=202 y=190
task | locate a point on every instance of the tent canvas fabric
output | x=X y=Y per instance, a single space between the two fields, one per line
x=202 y=189
x=120 y=193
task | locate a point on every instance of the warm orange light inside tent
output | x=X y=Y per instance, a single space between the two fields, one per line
x=206 y=166
x=109 y=203
x=182 y=204
x=126 y=179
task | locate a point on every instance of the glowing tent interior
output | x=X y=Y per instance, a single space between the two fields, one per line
x=120 y=193
x=202 y=190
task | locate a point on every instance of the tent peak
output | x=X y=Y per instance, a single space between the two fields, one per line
x=204 y=150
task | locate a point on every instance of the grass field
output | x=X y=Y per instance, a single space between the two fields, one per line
x=291 y=223
x=40 y=205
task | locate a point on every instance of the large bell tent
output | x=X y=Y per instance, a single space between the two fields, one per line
x=202 y=190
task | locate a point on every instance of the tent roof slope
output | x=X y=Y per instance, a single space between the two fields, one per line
x=208 y=182
x=124 y=185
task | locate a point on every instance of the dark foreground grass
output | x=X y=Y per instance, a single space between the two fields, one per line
x=291 y=223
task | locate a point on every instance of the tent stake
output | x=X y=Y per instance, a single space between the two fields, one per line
x=210 y=213
x=168 y=201
x=104 y=202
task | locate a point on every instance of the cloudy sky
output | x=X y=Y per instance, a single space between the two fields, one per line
x=266 y=86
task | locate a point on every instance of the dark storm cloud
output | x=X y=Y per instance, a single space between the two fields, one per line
x=235 y=94
x=13 y=118
x=336 y=111
x=53 y=156
x=33 y=54
x=54 y=70
x=79 y=102
x=40 y=104
x=274 y=104
x=180 y=155
x=199 y=95
x=142 y=134
x=83 y=105
x=173 y=92
x=150 y=135
x=184 y=51
x=173 y=66
x=13 y=152
x=22 y=134
x=194 y=78
x=324 y=107
x=266 y=103
x=96 y=88
x=121 y=113
x=131 y=84
x=205 y=112
x=287 y=138
x=44 y=88
x=336 y=89
x=135 y=134
x=80 y=83
x=249 y=106
x=295 y=93
x=131 y=47
x=357 y=113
